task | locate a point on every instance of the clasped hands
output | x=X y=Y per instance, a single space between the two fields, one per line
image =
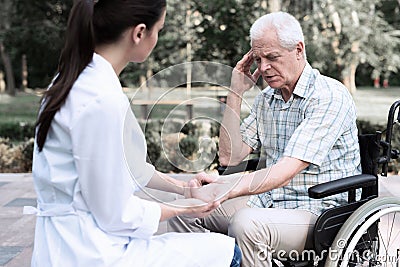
x=210 y=188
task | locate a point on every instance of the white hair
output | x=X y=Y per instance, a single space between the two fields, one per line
x=287 y=28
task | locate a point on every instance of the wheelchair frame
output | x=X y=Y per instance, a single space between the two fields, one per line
x=340 y=229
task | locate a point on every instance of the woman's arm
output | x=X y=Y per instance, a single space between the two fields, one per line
x=190 y=207
x=164 y=182
x=257 y=182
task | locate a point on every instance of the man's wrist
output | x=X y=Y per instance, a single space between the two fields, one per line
x=234 y=95
x=186 y=191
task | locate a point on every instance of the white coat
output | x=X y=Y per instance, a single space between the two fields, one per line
x=85 y=178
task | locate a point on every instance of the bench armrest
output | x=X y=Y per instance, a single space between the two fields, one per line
x=342 y=185
x=246 y=165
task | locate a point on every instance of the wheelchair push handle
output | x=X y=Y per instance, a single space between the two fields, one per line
x=388 y=152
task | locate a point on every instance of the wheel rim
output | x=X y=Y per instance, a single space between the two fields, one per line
x=386 y=253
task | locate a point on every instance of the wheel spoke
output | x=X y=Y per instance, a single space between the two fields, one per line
x=366 y=235
x=381 y=238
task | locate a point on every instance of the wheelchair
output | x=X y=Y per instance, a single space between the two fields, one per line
x=365 y=231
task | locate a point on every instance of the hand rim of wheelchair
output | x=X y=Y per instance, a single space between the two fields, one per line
x=357 y=224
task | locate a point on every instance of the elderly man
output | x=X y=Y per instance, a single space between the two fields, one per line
x=306 y=125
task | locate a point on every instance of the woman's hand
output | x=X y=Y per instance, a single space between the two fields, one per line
x=218 y=190
x=212 y=192
x=195 y=207
x=221 y=188
x=199 y=180
x=191 y=207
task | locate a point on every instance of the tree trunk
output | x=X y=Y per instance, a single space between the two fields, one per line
x=10 y=84
x=274 y=5
x=349 y=77
x=24 y=73
x=149 y=74
x=188 y=52
x=142 y=81
x=2 y=83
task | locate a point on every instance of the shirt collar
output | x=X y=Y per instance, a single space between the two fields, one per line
x=306 y=77
x=101 y=65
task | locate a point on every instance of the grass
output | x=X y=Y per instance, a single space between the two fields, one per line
x=22 y=108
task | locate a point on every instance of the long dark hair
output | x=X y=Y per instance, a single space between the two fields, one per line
x=90 y=23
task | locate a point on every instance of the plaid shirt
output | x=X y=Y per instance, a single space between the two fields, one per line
x=317 y=125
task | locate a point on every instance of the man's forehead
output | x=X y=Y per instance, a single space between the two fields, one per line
x=265 y=47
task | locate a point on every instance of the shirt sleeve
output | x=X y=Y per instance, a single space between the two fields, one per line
x=106 y=179
x=326 y=119
x=249 y=127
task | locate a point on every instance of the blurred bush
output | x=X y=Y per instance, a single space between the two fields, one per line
x=181 y=146
x=17 y=131
x=172 y=146
x=16 y=158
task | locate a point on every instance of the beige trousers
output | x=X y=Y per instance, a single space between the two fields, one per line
x=260 y=233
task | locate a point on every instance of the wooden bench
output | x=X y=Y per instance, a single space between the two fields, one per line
x=145 y=104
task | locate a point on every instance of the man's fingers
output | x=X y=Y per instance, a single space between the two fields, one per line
x=245 y=63
x=194 y=183
x=205 y=178
x=249 y=61
x=256 y=75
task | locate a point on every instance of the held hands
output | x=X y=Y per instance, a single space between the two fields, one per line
x=214 y=190
x=204 y=193
x=200 y=200
x=242 y=79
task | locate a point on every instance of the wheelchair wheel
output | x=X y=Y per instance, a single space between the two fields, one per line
x=369 y=237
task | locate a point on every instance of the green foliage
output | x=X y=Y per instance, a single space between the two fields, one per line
x=16 y=144
x=189 y=129
x=188 y=146
x=217 y=30
x=214 y=129
x=37 y=30
x=152 y=131
x=173 y=148
x=342 y=32
x=17 y=131
x=222 y=29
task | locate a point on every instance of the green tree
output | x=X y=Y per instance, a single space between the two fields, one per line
x=5 y=24
x=348 y=33
x=37 y=31
x=170 y=49
x=222 y=30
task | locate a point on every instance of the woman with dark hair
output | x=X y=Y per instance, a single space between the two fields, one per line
x=90 y=155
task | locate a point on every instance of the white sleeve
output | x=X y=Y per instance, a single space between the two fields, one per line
x=106 y=181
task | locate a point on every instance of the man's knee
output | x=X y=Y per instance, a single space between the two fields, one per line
x=251 y=238
x=243 y=226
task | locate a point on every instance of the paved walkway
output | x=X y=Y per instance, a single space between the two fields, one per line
x=16 y=231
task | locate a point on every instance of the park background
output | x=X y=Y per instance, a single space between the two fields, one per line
x=354 y=41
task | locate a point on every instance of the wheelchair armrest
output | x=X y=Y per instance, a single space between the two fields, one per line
x=342 y=185
x=246 y=165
